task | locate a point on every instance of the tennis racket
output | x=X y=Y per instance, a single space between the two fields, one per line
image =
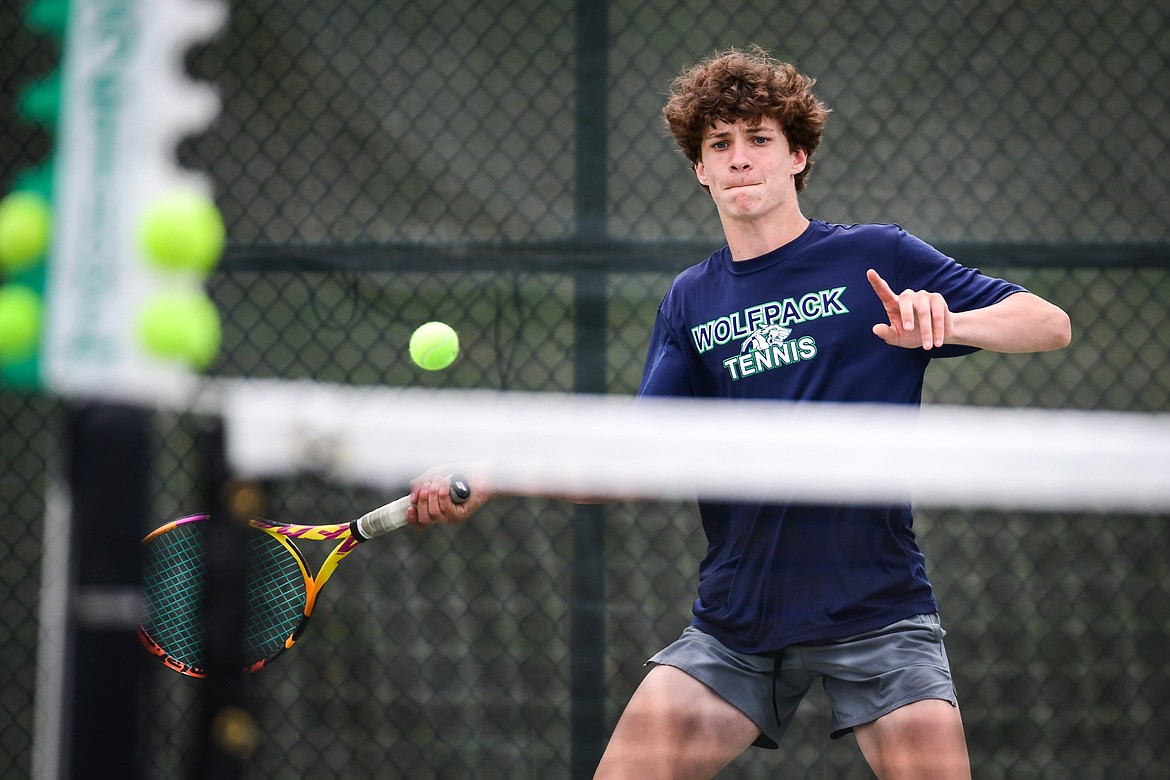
x=281 y=590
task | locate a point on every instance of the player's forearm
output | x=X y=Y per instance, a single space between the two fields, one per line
x=1019 y=323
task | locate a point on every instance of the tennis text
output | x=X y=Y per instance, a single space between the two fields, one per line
x=774 y=356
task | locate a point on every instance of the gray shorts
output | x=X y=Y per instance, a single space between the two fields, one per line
x=865 y=676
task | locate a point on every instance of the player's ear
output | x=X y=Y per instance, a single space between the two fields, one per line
x=701 y=173
x=799 y=160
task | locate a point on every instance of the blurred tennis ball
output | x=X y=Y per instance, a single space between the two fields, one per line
x=20 y=322
x=434 y=346
x=182 y=230
x=181 y=325
x=25 y=225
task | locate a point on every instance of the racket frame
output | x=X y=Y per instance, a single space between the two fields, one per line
x=348 y=536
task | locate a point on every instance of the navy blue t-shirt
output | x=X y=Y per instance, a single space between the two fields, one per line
x=796 y=325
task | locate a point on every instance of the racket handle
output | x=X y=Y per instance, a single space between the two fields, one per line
x=393 y=515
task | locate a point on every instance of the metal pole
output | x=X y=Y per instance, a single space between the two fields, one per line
x=587 y=605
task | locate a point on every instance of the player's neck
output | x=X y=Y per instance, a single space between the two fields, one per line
x=752 y=238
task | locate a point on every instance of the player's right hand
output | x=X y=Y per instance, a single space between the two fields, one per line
x=431 y=503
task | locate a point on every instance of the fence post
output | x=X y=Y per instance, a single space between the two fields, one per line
x=587 y=604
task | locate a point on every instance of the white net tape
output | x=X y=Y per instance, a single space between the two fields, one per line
x=623 y=447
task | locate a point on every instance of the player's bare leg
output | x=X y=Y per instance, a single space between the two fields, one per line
x=675 y=727
x=923 y=740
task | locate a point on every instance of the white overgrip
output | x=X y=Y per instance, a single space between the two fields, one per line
x=393 y=515
x=382 y=520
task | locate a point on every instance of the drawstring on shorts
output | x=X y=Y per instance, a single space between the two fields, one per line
x=778 y=660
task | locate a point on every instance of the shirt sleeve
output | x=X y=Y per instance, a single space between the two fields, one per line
x=922 y=267
x=666 y=372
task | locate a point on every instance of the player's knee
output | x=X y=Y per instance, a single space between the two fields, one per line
x=921 y=739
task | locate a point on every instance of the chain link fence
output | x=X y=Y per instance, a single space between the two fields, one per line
x=384 y=164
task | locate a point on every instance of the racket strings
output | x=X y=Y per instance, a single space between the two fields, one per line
x=174 y=589
x=174 y=574
x=276 y=597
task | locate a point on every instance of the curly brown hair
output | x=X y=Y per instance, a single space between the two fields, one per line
x=750 y=85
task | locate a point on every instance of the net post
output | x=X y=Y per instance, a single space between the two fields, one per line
x=227 y=733
x=108 y=469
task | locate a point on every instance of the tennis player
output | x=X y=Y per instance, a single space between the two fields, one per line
x=800 y=310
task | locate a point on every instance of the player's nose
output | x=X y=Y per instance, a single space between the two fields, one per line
x=740 y=162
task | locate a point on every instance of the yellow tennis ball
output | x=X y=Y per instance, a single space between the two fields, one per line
x=20 y=322
x=25 y=225
x=434 y=346
x=180 y=325
x=182 y=230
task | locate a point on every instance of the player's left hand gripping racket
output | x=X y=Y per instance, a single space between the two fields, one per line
x=281 y=592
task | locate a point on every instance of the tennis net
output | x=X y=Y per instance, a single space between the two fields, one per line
x=673 y=448
x=514 y=641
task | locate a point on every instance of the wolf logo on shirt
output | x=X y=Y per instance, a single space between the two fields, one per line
x=765 y=337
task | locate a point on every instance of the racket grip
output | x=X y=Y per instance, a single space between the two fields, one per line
x=386 y=518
